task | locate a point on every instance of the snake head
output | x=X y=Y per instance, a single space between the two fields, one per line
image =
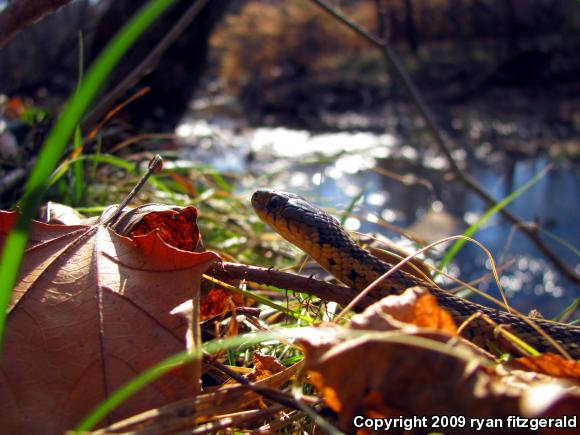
x=276 y=202
x=283 y=210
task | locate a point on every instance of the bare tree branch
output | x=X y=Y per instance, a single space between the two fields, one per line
x=289 y=281
x=23 y=13
x=531 y=231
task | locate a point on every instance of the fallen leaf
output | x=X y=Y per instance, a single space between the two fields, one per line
x=549 y=364
x=415 y=306
x=372 y=377
x=40 y=232
x=177 y=226
x=266 y=366
x=55 y=213
x=382 y=367
x=89 y=312
x=218 y=301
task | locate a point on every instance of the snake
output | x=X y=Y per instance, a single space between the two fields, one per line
x=322 y=237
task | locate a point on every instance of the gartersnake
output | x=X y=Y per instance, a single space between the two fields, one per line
x=322 y=238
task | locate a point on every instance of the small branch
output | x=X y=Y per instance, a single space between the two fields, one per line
x=145 y=67
x=399 y=71
x=290 y=281
x=23 y=13
x=155 y=166
x=277 y=396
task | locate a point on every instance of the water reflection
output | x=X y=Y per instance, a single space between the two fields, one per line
x=331 y=169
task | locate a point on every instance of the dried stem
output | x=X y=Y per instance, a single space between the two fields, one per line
x=155 y=166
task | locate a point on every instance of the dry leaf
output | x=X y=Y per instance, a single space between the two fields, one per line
x=177 y=226
x=368 y=376
x=549 y=364
x=266 y=366
x=89 y=312
x=55 y=213
x=429 y=374
x=415 y=306
x=218 y=301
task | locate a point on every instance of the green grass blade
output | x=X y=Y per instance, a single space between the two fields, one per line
x=560 y=240
x=98 y=152
x=94 y=158
x=78 y=172
x=78 y=169
x=260 y=299
x=500 y=205
x=56 y=141
x=573 y=306
x=221 y=182
x=351 y=206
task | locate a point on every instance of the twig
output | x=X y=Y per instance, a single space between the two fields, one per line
x=22 y=13
x=235 y=420
x=400 y=73
x=145 y=67
x=290 y=281
x=269 y=393
x=155 y=166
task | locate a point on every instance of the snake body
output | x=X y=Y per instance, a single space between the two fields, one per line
x=321 y=237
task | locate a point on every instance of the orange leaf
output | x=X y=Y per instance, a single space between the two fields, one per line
x=217 y=302
x=375 y=377
x=176 y=226
x=266 y=366
x=415 y=306
x=549 y=364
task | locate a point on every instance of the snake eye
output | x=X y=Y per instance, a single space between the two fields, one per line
x=274 y=203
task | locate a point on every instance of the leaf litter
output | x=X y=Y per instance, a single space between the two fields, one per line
x=91 y=310
x=422 y=368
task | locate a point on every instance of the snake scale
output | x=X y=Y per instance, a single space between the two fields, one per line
x=321 y=237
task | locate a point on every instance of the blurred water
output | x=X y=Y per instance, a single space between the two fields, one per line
x=332 y=169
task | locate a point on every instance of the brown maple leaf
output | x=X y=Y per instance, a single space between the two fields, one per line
x=89 y=312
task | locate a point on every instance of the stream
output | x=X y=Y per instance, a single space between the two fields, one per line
x=393 y=182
